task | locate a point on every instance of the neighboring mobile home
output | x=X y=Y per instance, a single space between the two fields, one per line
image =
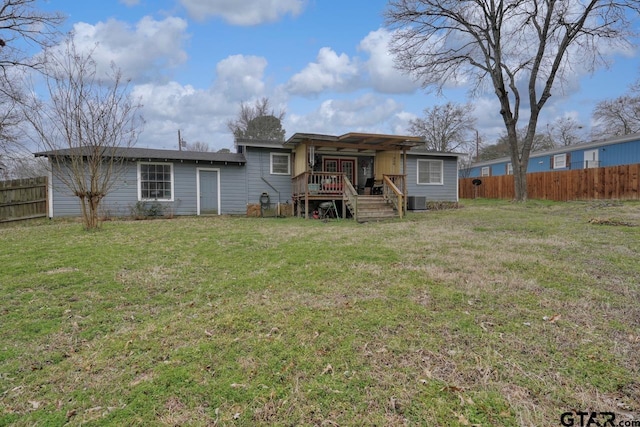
x=623 y=150
x=352 y=171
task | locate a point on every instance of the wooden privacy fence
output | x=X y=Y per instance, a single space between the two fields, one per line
x=615 y=182
x=23 y=199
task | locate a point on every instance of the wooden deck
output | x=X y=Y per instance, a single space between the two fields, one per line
x=309 y=188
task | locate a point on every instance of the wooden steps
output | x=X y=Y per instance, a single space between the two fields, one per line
x=373 y=208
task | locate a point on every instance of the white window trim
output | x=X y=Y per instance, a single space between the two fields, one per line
x=509 y=168
x=560 y=158
x=288 y=155
x=140 y=199
x=431 y=161
x=484 y=171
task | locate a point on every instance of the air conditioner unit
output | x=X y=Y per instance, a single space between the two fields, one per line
x=416 y=203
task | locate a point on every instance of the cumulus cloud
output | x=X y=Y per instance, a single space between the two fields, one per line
x=380 y=67
x=142 y=52
x=330 y=72
x=241 y=77
x=243 y=12
x=200 y=114
x=368 y=113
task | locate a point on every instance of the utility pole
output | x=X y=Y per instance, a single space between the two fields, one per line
x=181 y=142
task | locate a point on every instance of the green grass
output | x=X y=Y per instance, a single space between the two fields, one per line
x=495 y=314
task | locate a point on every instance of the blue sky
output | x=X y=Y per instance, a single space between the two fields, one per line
x=325 y=62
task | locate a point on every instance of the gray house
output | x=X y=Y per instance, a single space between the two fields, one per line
x=355 y=172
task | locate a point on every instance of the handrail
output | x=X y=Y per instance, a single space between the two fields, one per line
x=393 y=194
x=351 y=196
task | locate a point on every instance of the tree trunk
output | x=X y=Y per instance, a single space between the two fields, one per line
x=520 y=183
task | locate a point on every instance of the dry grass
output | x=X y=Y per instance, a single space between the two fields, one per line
x=491 y=314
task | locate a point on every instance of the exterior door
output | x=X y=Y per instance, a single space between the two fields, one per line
x=209 y=192
x=591 y=159
x=346 y=166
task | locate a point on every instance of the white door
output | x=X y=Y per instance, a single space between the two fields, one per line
x=208 y=188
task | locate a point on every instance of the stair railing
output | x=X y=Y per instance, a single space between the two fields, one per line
x=350 y=197
x=393 y=194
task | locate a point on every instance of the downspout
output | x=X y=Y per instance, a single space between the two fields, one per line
x=406 y=177
x=267 y=182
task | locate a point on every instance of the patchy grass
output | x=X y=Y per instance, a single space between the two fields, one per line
x=494 y=314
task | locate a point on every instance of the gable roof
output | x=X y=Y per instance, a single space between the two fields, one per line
x=150 y=154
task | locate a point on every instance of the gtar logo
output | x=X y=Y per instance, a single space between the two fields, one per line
x=587 y=419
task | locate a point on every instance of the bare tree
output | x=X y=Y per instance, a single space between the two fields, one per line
x=447 y=127
x=619 y=116
x=197 y=146
x=517 y=47
x=83 y=126
x=541 y=141
x=258 y=121
x=23 y=27
x=565 y=131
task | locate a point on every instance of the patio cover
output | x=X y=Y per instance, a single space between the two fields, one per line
x=358 y=141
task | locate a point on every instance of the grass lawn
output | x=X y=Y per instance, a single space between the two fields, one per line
x=494 y=314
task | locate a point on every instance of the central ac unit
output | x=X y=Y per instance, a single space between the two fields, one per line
x=416 y=203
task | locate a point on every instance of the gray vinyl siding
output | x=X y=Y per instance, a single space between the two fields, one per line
x=123 y=196
x=445 y=192
x=259 y=178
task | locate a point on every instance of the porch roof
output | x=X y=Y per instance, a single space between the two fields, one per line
x=357 y=141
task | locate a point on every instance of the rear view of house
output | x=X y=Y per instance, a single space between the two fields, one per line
x=364 y=176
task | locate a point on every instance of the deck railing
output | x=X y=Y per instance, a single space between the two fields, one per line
x=319 y=184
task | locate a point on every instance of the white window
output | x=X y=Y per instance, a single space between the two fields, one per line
x=430 y=172
x=485 y=171
x=155 y=181
x=280 y=164
x=560 y=161
x=509 y=169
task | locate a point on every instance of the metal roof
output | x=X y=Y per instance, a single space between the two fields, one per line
x=155 y=154
x=564 y=149
x=361 y=141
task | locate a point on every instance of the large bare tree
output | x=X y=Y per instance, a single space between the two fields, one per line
x=24 y=29
x=447 y=127
x=565 y=131
x=521 y=49
x=619 y=116
x=83 y=126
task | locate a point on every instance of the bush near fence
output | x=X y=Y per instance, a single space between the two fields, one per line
x=22 y=199
x=615 y=182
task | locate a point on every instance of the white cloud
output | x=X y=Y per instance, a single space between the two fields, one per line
x=243 y=12
x=368 y=113
x=201 y=115
x=241 y=77
x=143 y=52
x=384 y=76
x=331 y=72
x=130 y=2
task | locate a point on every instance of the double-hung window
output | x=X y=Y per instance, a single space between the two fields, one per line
x=430 y=172
x=280 y=164
x=155 y=181
x=560 y=161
